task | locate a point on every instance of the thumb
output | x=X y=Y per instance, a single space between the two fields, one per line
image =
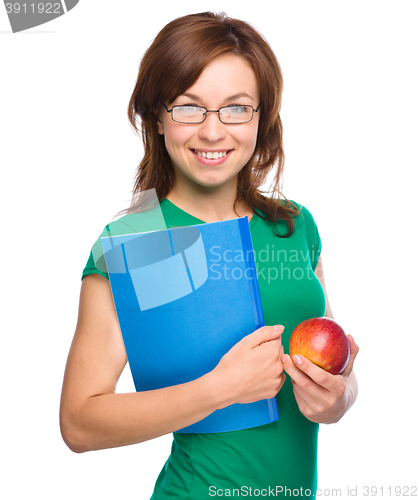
x=354 y=349
x=265 y=334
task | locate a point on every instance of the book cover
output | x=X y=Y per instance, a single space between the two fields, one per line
x=184 y=296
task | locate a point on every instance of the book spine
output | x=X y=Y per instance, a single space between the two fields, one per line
x=252 y=281
x=251 y=271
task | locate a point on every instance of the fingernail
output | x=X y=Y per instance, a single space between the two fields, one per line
x=279 y=328
x=283 y=358
x=297 y=360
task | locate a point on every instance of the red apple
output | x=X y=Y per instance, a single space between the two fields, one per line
x=323 y=342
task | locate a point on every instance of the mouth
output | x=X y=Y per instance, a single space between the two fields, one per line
x=211 y=155
x=212 y=158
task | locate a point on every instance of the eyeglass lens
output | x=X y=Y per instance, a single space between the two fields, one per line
x=196 y=114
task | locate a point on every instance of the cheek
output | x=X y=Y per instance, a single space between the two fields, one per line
x=249 y=144
x=249 y=138
x=175 y=137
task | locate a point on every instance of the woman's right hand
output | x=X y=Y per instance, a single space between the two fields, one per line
x=252 y=369
x=93 y=416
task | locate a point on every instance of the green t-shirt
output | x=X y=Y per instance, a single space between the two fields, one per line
x=277 y=458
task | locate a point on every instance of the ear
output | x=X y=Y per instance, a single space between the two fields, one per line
x=159 y=121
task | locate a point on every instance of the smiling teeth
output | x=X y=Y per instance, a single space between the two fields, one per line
x=209 y=154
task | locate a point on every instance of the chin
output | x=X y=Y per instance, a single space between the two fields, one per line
x=213 y=183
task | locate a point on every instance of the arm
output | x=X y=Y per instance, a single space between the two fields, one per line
x=322 y=397
x=93 y=416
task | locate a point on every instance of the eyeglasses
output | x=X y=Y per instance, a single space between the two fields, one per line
x=196 y=114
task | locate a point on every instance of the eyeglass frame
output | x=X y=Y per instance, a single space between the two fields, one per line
x=210 y=111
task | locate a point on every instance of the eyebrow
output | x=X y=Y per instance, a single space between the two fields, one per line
x=231 y=98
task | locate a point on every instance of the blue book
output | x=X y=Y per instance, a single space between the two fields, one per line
x=184 y=296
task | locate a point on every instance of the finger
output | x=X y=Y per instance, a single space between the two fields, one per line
x=296 y=375
x=354 y=349
x=308 y=376
x=304 y=408
x=311 y=397
x=306 y=403
x=265 y=334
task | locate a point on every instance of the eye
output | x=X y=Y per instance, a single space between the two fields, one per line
x=188 y=113
x=188 y=107
x=237 y=108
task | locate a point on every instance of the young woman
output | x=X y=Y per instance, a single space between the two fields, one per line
x=208 y=96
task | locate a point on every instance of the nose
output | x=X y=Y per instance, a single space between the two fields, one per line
x=212 y=130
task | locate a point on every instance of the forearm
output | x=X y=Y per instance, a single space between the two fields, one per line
x=112 y=420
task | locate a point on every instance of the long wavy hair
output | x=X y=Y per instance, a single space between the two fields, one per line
x=172 y=64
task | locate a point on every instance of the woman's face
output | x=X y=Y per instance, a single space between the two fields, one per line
x=227 y=80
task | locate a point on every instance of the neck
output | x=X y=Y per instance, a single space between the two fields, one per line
x=210 y=205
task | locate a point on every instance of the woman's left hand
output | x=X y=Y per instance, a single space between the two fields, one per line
x=321 y=396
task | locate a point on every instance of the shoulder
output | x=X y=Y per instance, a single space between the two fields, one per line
x=304 y=216
x=138 y=222
x=301 y=215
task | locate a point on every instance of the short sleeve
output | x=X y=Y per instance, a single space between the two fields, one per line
x=91 y=268
x=313 y=236
x=96 y=263
x=138 y=222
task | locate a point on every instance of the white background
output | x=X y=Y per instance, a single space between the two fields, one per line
x=68 y=158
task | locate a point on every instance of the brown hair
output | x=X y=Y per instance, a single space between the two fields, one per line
x=171 y=65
